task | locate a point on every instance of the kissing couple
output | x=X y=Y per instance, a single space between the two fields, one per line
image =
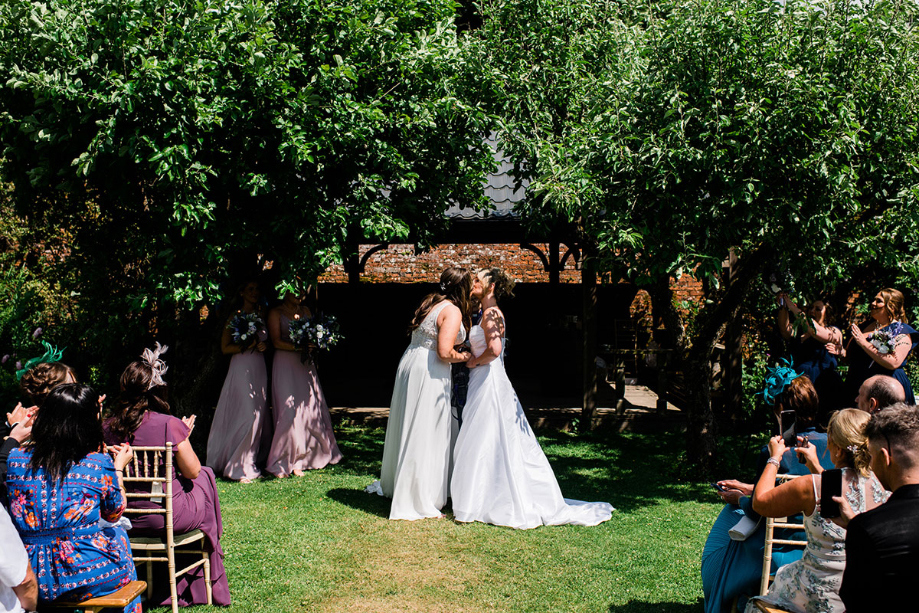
x=493 y=467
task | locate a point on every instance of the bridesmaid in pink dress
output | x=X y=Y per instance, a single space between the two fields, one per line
x=142 y=418
x=303 y=437
x=239 y=421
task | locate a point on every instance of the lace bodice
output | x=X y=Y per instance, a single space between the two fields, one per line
x=425 y=335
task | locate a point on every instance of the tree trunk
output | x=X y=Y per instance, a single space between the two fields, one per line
x=700 y=442
x=695 y=359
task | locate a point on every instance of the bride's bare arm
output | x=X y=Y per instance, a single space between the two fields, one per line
x=493 y=325
x=448 y=324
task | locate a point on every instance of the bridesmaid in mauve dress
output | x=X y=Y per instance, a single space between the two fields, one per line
x=142 y=418
x=239 y=421
x=303 y=437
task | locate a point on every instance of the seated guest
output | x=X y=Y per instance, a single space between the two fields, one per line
x=879 y=392
x=732 y=568
x=142 y=418
x=882 y=545
x=812 y=583
x=60 y=488
x=18 y=585
x=36 y=380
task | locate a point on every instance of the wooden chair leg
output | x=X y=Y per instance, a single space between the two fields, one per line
x=173 y=591
x=149 y=566
x=207 y=580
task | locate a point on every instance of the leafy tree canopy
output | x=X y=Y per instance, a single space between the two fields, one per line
x=669 y=134
x=172 y=138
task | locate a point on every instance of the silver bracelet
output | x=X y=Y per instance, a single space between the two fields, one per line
x=774 y=462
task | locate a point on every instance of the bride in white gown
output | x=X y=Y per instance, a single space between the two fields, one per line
x=501 y=475
x=421 y=429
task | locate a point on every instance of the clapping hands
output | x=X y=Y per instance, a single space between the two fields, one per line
x=189 y=422
x=21 y=420
x=122 y=453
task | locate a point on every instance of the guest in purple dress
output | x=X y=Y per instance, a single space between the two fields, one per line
x=60 y=487
x=303 y=437
x=239 y=421
x=141 y=418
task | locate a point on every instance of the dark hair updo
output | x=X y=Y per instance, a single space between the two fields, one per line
x=39 y=380
x=66 y=429
x=138 y=396
x=800 y=397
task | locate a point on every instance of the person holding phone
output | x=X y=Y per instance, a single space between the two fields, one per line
x=812 y=583
x=732 y=560
x=813 y=348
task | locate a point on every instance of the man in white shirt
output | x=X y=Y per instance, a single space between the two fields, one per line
x=18 y=585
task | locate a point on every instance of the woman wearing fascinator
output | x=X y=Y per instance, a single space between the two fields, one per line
x=303 y=437
x=235 y=439
x=142 y=418
x=421 y=428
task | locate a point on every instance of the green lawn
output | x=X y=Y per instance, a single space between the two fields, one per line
x=319 y=543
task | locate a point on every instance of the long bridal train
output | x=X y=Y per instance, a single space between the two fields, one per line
x=501 y=475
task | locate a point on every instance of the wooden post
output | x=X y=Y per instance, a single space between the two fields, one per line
x=662 y=381
x=589 y=336
x=554 y=267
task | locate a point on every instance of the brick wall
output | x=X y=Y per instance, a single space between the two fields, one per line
x=399 y=264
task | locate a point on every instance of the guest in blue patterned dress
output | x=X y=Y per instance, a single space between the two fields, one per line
x=60 y=487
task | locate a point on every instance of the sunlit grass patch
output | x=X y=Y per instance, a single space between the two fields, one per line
x=319 y=543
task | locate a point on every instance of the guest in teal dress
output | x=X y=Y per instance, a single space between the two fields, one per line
x=882 y=345
x=65 y=496
x=731 y=569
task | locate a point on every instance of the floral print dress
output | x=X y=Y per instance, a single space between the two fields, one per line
x=72 y=554
x=811 y=585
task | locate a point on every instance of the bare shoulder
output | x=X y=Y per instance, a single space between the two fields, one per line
x=492 y=317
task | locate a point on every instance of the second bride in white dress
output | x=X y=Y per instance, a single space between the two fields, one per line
x=501 y=475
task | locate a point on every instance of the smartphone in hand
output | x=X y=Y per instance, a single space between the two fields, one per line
x=830 y=485
x=789 y=427
x=719 y=487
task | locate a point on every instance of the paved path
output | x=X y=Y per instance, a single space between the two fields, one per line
x=640 y=414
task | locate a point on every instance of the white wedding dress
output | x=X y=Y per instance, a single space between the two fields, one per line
x=420 y=430
x=501 y=475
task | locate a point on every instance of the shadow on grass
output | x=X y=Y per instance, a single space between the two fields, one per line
x=630 y=470
x=634 y=606
x=361 y=501
x=362 y=448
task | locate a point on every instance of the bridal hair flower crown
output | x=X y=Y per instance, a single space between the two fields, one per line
x=158 y=368
x=777 y=379
x=51 y=354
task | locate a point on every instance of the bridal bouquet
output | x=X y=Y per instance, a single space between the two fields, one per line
x=885 y=340
x=317 y=332
x=244 y=328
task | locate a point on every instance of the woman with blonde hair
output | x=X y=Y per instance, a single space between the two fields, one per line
x=811 y=585
x=421 y=429
x=881 y=345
